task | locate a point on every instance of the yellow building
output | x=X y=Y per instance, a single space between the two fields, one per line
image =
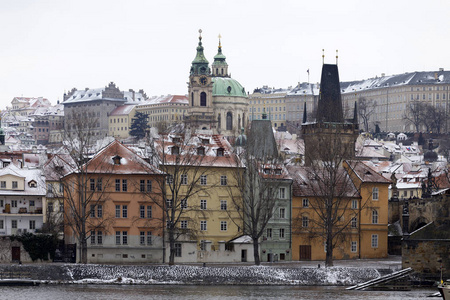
x=119 y=121
x=201 y=179
x=166 y=110
x=361 y=214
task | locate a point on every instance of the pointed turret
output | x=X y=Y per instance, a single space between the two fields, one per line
x=200 y=64
x=329 y=108
x=355 y=114
x=220 y=66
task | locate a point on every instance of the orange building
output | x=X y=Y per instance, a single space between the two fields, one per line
x=117 y=192
x=361 y=215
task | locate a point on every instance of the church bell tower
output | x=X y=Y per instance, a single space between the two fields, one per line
x=200 y=86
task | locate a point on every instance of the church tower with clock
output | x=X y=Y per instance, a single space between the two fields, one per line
x=201 y=112
x=217 y=102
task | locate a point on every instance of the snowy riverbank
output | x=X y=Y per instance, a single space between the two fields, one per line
x=163 y=274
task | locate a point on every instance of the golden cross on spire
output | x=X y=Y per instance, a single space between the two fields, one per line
x=220 y=45
x=200 y=32
x=336 y=57
x=323 y=56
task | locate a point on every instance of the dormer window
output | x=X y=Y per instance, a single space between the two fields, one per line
x=176 y=139
x=220 y=152
x=277 y=171
x=116 y=159
x=175 y=150
x=32 y=184
x=266 y=171
x=201 y=151
x=205 y=141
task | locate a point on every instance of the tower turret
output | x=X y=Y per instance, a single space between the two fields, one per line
x=200 y=65
x=220 y=66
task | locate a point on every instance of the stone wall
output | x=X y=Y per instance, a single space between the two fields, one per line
x=6 y=251
x=425 y=256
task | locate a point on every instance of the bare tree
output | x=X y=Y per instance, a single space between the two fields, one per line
x=186 y=160
x=438 y=118
x=366 y=108
x=414 y=114
x=330 y=190
x=256 y=196
x=85 y=183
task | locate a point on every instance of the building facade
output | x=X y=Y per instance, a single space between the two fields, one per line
x=217 y=102
x=124 y=224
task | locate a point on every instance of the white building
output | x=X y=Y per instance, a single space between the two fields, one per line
x=22 y=195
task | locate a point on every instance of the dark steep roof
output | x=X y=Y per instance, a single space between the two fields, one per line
x=329 y=108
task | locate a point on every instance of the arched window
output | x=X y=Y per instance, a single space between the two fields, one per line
x=229 y=121
x=219 y=121
x=203 y=99
x=192 y=99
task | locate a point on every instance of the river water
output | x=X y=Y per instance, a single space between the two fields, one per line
x=121 y=292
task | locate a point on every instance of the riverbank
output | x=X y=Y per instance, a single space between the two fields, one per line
x=288 y=273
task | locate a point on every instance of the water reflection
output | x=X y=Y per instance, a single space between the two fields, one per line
x=111 y=292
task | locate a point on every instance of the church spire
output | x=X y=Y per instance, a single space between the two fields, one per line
x=220 y=66
x=200 y=64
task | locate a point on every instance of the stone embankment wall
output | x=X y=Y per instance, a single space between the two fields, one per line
x=234 y=275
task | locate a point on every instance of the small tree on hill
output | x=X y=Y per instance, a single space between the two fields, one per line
x=139 y=125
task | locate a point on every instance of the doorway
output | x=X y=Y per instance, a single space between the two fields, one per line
x=244 y=255
x=15 y=252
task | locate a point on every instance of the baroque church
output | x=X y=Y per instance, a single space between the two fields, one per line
x=216 y=101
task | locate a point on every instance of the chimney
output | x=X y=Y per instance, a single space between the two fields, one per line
x=441 y=69
x=435 y=76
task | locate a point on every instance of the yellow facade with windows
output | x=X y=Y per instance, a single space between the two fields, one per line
x=364 y=216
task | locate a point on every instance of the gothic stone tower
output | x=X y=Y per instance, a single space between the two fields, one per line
x=200 y=114
x=330 y=136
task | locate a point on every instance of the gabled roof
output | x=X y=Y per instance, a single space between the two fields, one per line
x=305 y=183
x=365 y=173
x=188 y=149
x=129 y=162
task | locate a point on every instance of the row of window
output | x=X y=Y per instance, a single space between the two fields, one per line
x=203 y=179
x=144 y=186
x=281 y=233
x=32 y=224
x=3 y=184
x=203 y=225
x=353 y=222
x=145 y=238
x=14 y=203
x=354 y=244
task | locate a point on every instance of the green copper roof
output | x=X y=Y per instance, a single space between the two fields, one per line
x=225 y=86
x=200 y=63
x=219 y=59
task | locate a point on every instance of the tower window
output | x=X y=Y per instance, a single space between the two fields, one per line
x=203 y=99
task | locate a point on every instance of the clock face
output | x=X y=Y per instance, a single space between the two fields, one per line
x=203 y=80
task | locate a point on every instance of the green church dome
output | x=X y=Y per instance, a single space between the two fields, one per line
x=225 y=86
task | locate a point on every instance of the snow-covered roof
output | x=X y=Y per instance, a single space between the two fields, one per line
x=28 y=175
x=171 y=99
x=122 y=110
x=414 y=78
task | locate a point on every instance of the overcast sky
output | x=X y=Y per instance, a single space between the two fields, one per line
x=50 y=46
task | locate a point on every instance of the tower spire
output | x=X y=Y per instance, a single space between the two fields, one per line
x=220 y=66
x=323 y=56
x=200 y=64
